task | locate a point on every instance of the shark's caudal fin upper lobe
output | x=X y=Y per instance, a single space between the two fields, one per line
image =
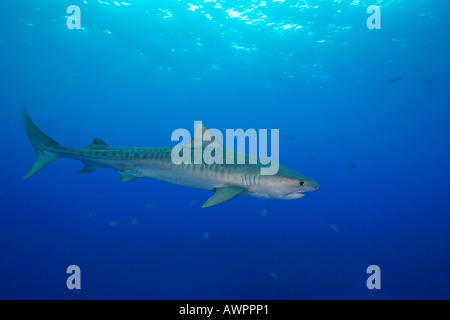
x=44 y=145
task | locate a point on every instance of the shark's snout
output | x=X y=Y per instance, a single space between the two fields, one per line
x=309 y=186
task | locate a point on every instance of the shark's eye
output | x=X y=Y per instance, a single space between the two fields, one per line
x=302 y=183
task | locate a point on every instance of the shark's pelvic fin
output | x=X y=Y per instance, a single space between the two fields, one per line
x=42 y=144
x=126 y=176
x=222 y=195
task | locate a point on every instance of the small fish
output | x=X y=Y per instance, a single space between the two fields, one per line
x=100 y=191
x=193 y=202
x=135 y=220
x=275 y=276
x=395 y=78
x=352 y=166
x=114 y=223
x=150 y=205
x=292 y=138
x=90 y=214
x=265 y=212
x=428 y=81
x=206 y=235
x=332 y=226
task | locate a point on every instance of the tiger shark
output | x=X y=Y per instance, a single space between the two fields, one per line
x=226 y=180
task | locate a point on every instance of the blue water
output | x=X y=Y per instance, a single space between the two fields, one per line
x=137 y=70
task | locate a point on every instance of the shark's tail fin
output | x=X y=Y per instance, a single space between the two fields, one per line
x=44 y=145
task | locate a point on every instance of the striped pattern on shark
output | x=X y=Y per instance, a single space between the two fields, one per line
x=227 y=180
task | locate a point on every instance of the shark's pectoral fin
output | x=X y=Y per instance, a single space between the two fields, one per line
x=222 y=195
x=88 y=168
x=126 y=176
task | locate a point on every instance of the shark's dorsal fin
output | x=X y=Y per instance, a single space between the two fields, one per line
x=200 y=132
x=97 y=143
x=126 y=176
x=222 y=195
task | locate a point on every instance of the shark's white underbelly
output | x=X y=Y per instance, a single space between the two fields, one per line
x=194 y=177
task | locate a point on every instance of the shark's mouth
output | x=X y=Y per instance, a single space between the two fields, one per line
x=296 y=194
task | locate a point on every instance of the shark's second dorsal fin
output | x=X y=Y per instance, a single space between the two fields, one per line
x=97 y=143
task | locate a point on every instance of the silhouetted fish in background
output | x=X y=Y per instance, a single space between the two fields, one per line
x=395 y=78
x=352 y=166
x=332 y=226
x=428 y=81
x=114 y=223
x=274 y=275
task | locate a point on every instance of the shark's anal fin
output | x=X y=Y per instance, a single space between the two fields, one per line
x=222 y=195
x=88 y=168
x=126 y=176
